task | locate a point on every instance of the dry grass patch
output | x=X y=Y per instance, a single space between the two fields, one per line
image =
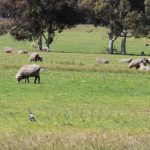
x=85 y=140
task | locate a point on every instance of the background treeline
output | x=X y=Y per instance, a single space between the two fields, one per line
x=31 y=19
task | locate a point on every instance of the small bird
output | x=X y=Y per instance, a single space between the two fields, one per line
x=31 y=117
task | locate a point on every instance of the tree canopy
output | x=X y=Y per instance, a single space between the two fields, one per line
x=120 y=17
x=33 y=18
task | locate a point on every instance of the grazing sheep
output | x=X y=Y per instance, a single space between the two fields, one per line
x=35 y=57
x=46 y=49
x=102 y=60
x=22 y=52
x=25 y=51
x=136 y=63
x=146 y=44
x=27 y=71
x=8 y=50
x=143 y=67
x=125 y=60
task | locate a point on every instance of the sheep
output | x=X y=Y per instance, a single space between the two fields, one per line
x=136 y=63
x=143 y=67
x=46 y=49
x=25 y=51
x=146 y=44
x=8 y=50
x=27 y=71
x=102 y=60
x=22 y=52
x=125 y=60
x=35 y=57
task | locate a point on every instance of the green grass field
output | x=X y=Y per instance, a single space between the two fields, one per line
x=79 y=104
x=82 y=39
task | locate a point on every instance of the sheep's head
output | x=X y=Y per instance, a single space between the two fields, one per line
x=18 y=77
x=130 y=60
x=145 y=61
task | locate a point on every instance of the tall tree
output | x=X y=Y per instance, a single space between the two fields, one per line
x=34 y=18
x=119 y=16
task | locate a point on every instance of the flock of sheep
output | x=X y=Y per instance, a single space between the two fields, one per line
x=137 y=63
x=33 y=70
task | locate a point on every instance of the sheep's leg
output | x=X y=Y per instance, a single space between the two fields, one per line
x=35 y=79
x=28 y=79
x=38 y=79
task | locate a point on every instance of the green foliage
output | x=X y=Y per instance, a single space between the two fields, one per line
x=40 y=16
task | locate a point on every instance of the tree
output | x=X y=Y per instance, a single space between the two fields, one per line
x=38 y=17
x=147 y=14
x=120 y=17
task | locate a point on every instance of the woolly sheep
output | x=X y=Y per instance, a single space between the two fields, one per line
x=8 y=50
x=22 y=52
x=125 y=60
x=136 y=63
x=102 y=60
x=143 y=67
x=46 y=49
x=146 y=44
x=27 y=71
x=35 y=57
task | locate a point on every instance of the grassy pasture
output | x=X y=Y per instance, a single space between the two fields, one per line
x=79 y=104
x=82 y=39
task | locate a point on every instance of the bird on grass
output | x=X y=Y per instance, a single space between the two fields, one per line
x=31 y=117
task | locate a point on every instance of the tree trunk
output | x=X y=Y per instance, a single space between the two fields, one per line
x=111 y=46
x=40 y=43
x=49 y=40
x=123 y=43
x=111 y=43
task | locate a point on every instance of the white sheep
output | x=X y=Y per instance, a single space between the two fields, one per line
x=136 y=63
x=22 y=52
x=146 y=44
x=27 y=71
x=102 y=60
x=143 y=67
x=46 y=49
x=8 y=50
